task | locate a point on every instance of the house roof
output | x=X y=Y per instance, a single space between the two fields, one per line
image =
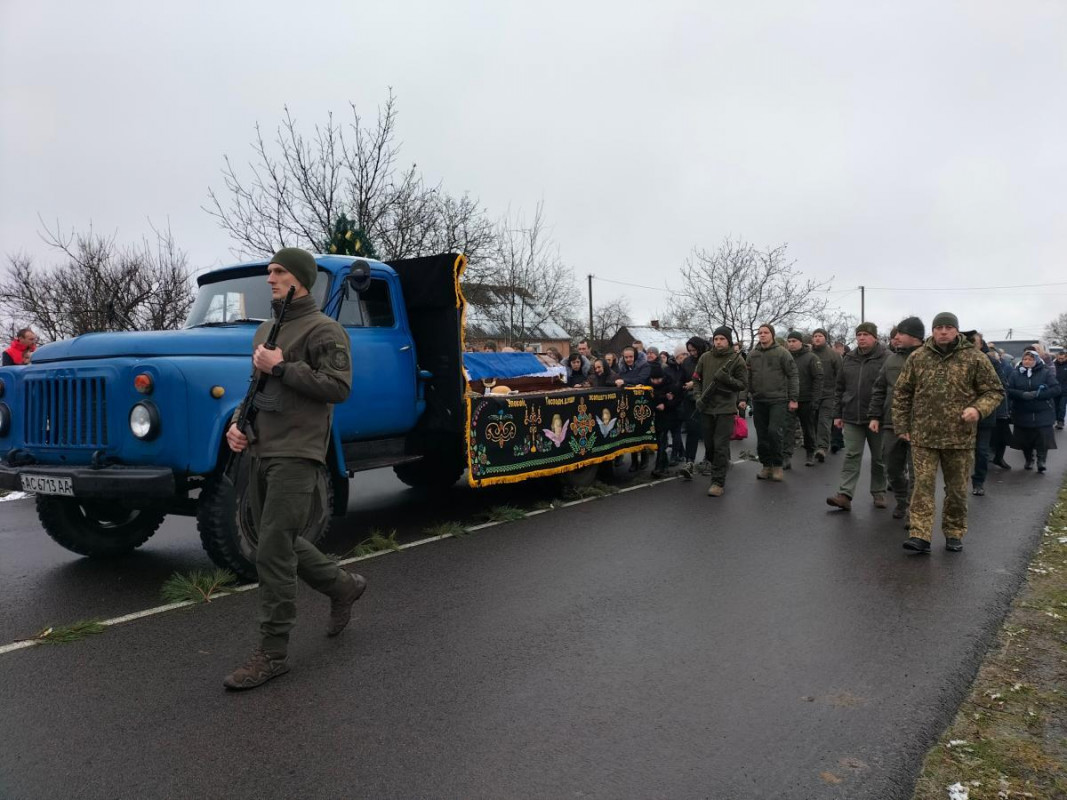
x=661 y=338
x=481 y=324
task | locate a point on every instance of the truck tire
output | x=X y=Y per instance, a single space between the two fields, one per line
x=220 y=534
x=220 y=527
x=430 y=472
x=96 y=528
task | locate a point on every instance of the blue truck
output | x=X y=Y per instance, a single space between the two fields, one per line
x=113 y=431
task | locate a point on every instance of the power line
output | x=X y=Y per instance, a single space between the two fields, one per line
x=960 y=288
x=634 y=285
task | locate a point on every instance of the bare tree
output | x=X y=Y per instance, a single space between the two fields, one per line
x=526 y=274
x=297 y=187
x=743 y=288
x=839 y=325
x=608 y=318
x=1056 y=330
x=100 y=286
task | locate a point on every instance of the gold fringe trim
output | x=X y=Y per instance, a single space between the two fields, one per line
x=543 y=473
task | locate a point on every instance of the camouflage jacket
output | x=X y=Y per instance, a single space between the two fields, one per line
x=933 y=390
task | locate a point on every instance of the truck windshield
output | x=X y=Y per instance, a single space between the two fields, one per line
x=242 y=298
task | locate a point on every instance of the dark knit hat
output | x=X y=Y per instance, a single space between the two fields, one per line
x=769 y=327
x=867 y=327
x=722 y=330
x=822 y=331
x=655 y=369
x=795 y=335
x=912 y=326
x=946 y=318
x=300 y=263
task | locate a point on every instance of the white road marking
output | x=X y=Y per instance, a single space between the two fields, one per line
x=247 y=587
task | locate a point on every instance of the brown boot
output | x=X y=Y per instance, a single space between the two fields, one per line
x=879 y=500
x=341 y=603
x=715 y=490
x=764 y=474
x=777 y=474
x=261 y=667
x=842 y=501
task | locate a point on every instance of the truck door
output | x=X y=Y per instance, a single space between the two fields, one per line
x=382 y=402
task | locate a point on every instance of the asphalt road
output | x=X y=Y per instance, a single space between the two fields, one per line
x=657 y=643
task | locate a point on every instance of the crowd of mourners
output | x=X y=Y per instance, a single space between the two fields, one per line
x=912 y=403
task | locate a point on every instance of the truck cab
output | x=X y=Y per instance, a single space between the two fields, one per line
x=112 y=431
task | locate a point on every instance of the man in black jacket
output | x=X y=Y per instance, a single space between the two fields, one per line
x=852 y=402
x=810 y=374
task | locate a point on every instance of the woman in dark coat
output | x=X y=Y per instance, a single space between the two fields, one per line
x=1033 y=390
x=575 y=377
x=601 y=375
x=695 y=347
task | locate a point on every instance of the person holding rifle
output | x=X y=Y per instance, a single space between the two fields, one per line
x=308 y=370
x=719 y=376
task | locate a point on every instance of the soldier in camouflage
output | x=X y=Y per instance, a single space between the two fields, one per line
x=310 y=369
x=945 y=387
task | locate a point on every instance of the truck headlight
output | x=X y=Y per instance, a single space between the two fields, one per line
x=5 y=419
x=144 y=421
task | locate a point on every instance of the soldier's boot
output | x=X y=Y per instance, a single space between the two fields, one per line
x=341 y=603
x=953 y=544
x=901 y=509
x=261 y=667
x=820 y=455
x=686 y=470
x=715 y=490
x=880 y=501
x=1040 y=464
x=777 y=474
x=764 y=474
x=809 y=461
x=917 y=546
x=839 y=500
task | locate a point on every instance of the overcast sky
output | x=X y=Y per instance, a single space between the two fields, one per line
x=907 y=146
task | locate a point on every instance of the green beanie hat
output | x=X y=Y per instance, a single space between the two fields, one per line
x=946 y=318
x=769 y=327
x=300 y=263
x=822 y=331
x=795 y=335
x=867 y=327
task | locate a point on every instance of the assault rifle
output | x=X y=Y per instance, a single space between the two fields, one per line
x=249 y=411
x=705 y=396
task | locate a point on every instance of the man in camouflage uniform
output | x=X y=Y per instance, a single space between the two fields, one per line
x=946 y=386
x=809 y=373
x=909 y=335
x=310 y=369
x=824 y=412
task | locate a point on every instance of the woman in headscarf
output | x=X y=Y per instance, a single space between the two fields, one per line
x=601 y=376
x=1033 y=390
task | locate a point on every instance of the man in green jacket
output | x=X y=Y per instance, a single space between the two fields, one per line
x=719 y=376
x=852 y=402
x=310 y=369
x=774 y=386
x=809 y=372
x=896 y=452
x=824 y=413
x=945 y=388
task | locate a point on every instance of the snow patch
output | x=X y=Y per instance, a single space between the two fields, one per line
x=14 y=496
x=957 y=791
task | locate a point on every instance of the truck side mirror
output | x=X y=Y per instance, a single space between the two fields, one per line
x=359 y=277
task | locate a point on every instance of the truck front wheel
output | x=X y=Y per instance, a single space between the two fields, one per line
x=220 y=533
x=96 y=528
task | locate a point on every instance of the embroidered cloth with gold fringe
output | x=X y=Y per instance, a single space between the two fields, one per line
x=514 y=437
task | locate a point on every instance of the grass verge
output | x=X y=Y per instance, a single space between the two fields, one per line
x=375 y=543
x=454 y=529
x=198 y=586
x=504 y=513
x=1009 y=738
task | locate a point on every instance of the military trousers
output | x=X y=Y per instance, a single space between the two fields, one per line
x=717 y=431
x=770 y=419
x=824 y=423
x=956 y=468
x=896 y=453
x=804 y=417
x=282 y=495
x=856 y=438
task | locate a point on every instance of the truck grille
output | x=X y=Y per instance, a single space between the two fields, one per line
x=69 y=412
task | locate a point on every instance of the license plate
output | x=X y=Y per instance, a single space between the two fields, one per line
x=47 y=484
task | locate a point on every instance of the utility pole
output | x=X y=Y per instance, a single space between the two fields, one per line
x=592 y=333
x=863 y=304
